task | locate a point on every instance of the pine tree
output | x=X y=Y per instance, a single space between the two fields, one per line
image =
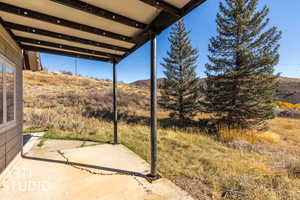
x=240 y=80
x=180 y=88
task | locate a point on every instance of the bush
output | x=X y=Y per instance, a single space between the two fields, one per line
x=289 y=113
x=285 y=105
x=62 y=118
x=66 y=72
x=288 y=110
x=293 y=169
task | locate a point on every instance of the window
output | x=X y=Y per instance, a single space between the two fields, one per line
x=1 y=94
x=7 y=92
x=10 y=93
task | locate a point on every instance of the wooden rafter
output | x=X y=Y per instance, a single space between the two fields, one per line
x=64 y=53
x=91 y=9
x=59 y=21
x=160 y=4
x=52 y=34
x=66 y=47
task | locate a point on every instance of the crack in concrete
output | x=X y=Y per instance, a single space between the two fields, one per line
x=84 y=169
x=104 y=174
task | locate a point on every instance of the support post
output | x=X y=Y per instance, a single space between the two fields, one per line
x=116 y=140
x=153 y=175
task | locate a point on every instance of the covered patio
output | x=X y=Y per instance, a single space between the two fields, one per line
x=105 y=31
x=61 y=170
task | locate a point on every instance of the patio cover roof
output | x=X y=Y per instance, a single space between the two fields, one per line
x=102 y=30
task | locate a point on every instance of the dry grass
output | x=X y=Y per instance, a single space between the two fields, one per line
x=200 y=164
x=286 y=126
x=269 y=137
x=229 y=135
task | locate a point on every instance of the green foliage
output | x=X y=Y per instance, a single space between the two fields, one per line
x=241 y=84
x=180 y=89
x=42 y=142
x=28 y=131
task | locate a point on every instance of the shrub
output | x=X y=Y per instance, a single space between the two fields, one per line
x=285 y=105
x=288 y=110
x=66 y=72
x=293 y=169
x=289 y=113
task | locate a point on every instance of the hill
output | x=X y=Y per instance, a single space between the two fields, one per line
x=288 y=90
x=91 y=96
x=145 y=83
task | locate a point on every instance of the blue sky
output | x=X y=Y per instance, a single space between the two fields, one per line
x=201 y=22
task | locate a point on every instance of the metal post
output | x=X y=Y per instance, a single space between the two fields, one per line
x=75 y=66
x=153 y=175
x=116 y=141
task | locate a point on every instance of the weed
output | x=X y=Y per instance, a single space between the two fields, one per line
x=42 y=142
x=27 y=131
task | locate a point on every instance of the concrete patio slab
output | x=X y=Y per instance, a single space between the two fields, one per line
x=101 y=172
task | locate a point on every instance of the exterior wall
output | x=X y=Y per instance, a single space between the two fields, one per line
x=9 y=48
x=11 y=135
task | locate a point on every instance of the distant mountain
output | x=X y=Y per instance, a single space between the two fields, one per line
x=288 y=90
x=145 y=83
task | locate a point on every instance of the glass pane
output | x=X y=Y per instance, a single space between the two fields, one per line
x=10 y=97
x=1 y=93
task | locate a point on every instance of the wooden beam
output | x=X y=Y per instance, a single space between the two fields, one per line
x=160 y=4
x=160 y=23
x=70 y=38
x=66 y=47
x=91 y=9
x=12 y=35
x=64 y=53
x=191 y=6
x=59 y=21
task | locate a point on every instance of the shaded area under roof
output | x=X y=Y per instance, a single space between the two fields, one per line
x=100 y=30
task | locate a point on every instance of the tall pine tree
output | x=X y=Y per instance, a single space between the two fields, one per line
x=180 y=88
x=240 y=75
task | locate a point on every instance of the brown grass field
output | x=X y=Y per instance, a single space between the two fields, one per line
x=233 y=165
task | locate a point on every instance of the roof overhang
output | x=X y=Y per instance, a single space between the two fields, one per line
x=99 y=30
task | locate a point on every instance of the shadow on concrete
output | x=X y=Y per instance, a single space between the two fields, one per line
x=115 y=171
x=27 y=137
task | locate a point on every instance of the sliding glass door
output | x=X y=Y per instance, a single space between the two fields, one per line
x=7 y=92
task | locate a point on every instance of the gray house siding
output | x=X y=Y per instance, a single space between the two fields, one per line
x=11 y=135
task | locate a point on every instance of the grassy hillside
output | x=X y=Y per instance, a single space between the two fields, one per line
x=233 y=165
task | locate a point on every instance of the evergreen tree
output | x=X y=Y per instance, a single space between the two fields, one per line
x=180 y=88
x=240 y=75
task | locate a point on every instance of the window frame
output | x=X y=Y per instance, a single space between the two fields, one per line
x=8 y=64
